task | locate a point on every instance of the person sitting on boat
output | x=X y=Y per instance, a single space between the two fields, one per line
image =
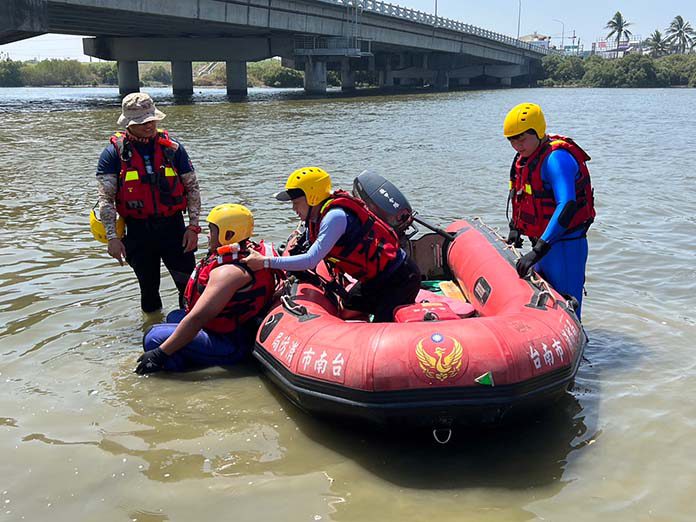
x=552 y=201
x=352 y=240
x=223 y=299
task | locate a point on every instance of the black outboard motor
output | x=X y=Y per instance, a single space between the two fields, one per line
x=386 y=201
x=390 y=205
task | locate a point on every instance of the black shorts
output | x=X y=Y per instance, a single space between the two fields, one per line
x=381 y=297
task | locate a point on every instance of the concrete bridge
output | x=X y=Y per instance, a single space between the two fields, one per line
x=403 y=46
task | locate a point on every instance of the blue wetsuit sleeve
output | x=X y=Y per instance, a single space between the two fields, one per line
x=109 y=162
x=559 y=172
x=332 y=227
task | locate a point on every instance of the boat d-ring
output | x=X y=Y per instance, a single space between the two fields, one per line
x=442 y=435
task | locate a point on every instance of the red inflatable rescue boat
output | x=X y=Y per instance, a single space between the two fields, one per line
x=502 y=344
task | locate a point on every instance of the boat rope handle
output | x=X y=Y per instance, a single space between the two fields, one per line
x=447 y=432
x=496 y=232
x=535 y=279
x=291 y=306
x=545 y=288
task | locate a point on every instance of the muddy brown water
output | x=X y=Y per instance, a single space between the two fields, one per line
x=83 y=438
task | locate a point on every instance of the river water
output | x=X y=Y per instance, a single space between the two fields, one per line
x=84 y=438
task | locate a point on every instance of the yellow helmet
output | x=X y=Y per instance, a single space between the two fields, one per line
x=235 y=223
x=312 y=182
x=98 y=229
x=524 y=117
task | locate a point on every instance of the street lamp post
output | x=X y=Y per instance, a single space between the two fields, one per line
x=562 y=34
x=519 y=15
x=436 y=12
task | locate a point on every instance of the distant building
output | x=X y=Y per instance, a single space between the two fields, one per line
x=610 y=49
x=537 y=39
x=573 y=50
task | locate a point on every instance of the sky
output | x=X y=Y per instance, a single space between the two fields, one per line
x=587 y=19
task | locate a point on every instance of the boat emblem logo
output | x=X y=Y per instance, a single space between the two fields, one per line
x=440 y=357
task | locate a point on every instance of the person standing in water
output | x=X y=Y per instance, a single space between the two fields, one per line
x=552 y=201
x=146 y=177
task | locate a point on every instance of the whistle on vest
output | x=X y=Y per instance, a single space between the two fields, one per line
x=226 y=250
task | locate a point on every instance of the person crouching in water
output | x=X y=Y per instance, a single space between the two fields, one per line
x=223 y=297
x=351 y=240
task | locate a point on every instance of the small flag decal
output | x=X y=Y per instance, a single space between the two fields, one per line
x=486 y=379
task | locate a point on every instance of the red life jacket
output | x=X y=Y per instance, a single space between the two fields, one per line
x=363 y=253
x=247 y=302
x=532 y=204
x=141 y=195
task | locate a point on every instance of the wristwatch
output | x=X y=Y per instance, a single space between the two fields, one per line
x=195 y=228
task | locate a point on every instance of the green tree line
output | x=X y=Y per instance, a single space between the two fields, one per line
x=268 y=73
x=632 y=70
x=56 y=72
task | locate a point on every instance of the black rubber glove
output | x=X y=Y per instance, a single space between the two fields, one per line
x=514 y=237
x=151 y=361
x=527 y=261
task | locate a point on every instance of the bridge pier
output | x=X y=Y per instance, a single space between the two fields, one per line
x=441 y=80
x=347 y=76
x=386 y=76
x=315 y=77
x=411 y=82
x=236 y=79
x=506 y=72
x=414 y=76
x=128 y=77
x=182 y=78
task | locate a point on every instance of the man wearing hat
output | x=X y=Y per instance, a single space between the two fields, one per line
x=146 y=176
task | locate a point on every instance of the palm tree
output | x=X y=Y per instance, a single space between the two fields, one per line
x=681 y=34
x=656 y=44
x=618 y=25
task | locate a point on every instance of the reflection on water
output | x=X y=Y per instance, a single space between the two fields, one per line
x=84 y=438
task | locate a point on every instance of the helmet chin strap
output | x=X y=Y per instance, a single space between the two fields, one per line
x=313 y=215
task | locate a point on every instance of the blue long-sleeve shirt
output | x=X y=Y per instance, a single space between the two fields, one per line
x=559 y=173
x=333 y=225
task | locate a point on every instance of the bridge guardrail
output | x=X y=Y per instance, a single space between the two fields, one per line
x=405 y=13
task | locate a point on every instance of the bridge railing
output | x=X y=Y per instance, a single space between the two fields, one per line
x=405 y=13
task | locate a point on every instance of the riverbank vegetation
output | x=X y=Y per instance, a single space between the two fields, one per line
x=633 y=70
x=268 y=73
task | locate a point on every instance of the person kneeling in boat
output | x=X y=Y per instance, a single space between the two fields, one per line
x=343 y=232
x=223 y=299
x=552 y=201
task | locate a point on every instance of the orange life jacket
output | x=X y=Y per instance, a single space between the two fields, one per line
x=142 y=194
x=247 y=302
x=533 y=204
x=367 y=247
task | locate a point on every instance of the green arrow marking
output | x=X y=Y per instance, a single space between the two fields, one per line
x=486 y=379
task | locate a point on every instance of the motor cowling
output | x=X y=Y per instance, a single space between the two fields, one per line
x=385 y=200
